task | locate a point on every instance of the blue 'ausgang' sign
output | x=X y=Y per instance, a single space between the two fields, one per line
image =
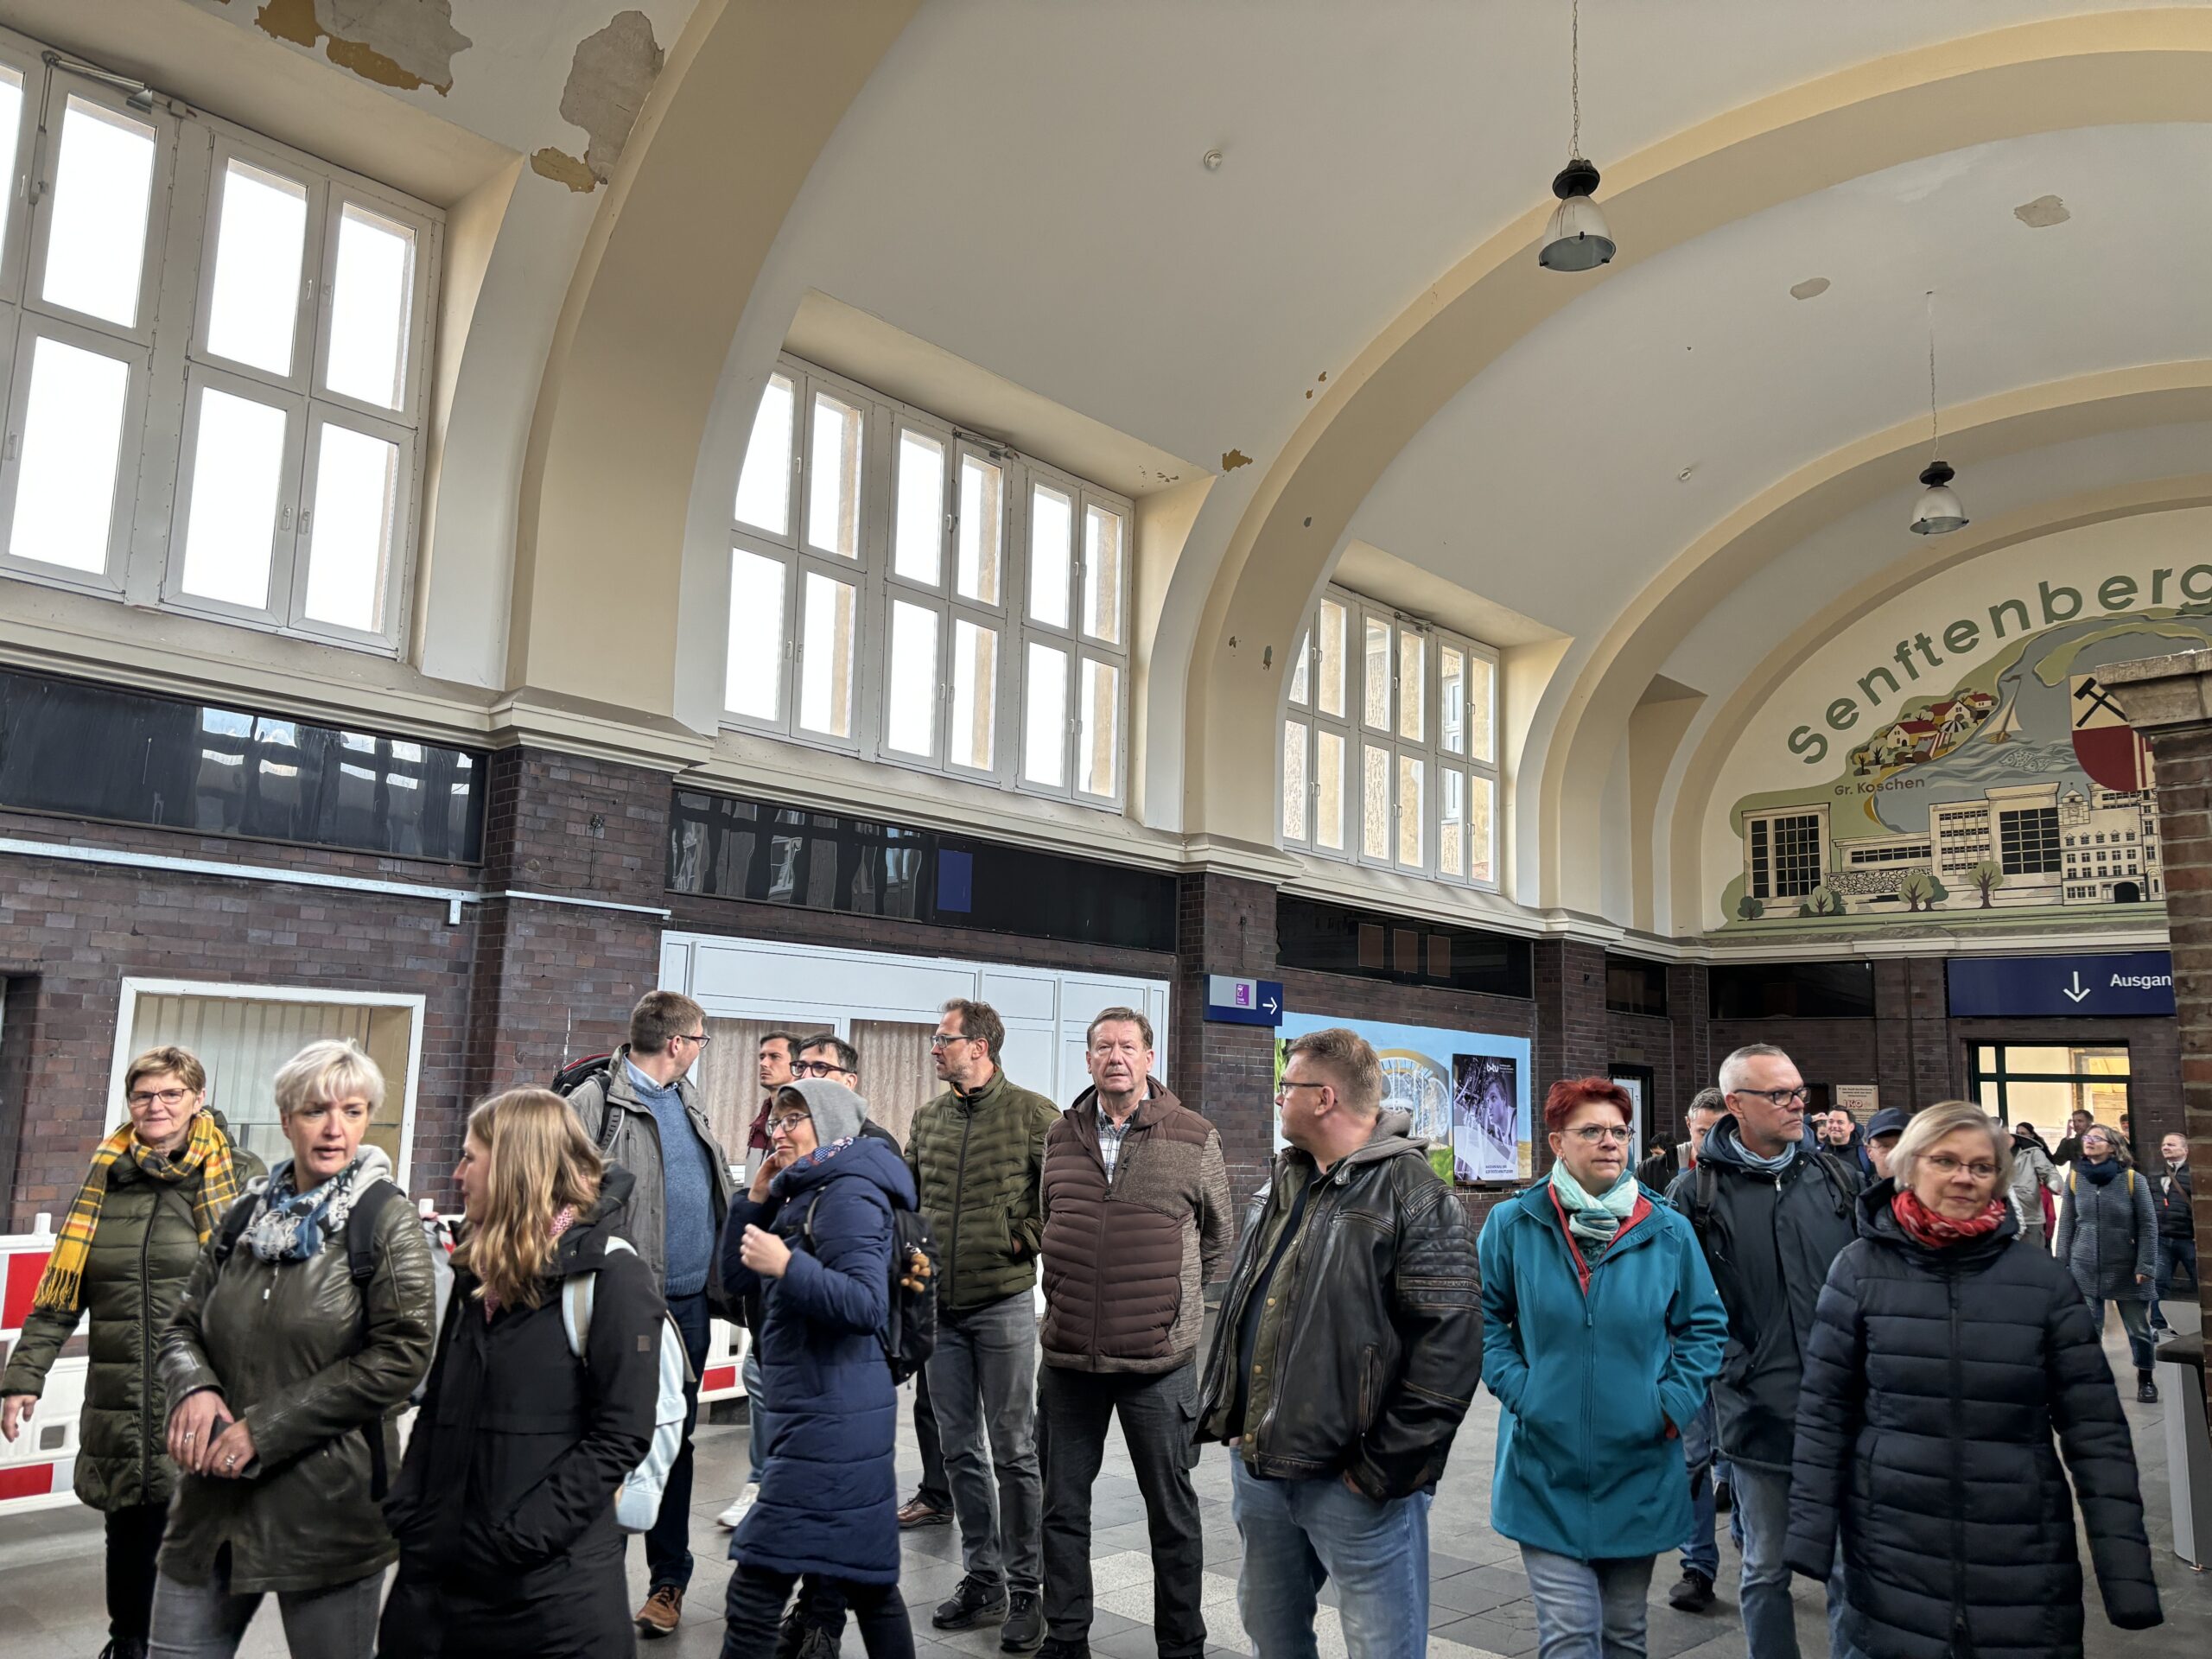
x=2135 y=982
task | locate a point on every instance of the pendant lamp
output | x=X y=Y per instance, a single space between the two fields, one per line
x=1578 y=237
x=1937 y=512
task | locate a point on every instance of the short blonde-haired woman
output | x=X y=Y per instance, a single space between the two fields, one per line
x=504 y=1509
x=1943 y=1360
x=158 y=1187
x=285 y=1372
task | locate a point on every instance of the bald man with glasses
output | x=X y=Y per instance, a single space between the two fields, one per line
x=1771 y=1209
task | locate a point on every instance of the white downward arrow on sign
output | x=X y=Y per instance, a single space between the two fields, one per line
x=2079 y=991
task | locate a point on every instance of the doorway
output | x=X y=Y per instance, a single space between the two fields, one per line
x=2045 y=1084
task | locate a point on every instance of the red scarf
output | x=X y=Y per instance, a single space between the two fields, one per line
x=1938 y=1232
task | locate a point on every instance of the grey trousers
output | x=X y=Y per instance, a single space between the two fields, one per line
x=206 y=1621
x=983 y=1386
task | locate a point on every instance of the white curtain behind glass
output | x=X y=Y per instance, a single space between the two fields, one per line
x=896 y=1072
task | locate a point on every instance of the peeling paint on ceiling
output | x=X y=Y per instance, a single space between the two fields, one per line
x=1232 y=458
x=612 y=72
x=2042 y=213
x=404 y=44
x=563 y=169
x=1811 y=289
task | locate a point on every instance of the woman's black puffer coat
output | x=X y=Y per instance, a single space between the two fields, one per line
x=504 y=1506
x=1934 y=1380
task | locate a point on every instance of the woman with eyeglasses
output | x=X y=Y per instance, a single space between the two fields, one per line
x=1601 y=1333
x=158 y=1187
x=1947 y=1374
x=2108 y=1235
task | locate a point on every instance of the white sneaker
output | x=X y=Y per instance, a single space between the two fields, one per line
x=730 y=1516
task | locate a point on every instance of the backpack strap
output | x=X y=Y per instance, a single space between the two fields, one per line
x=577 y=1300
x=609 y=1125
x=1701 y=1196
x=361 y=1268
x=239 y=1217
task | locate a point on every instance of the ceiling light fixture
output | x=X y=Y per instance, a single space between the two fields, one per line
x=1578 y=237
x=1938 y=511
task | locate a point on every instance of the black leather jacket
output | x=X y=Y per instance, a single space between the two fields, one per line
x=1379 y=1321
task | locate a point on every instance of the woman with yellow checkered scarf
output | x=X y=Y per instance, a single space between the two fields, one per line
x=157 y=1188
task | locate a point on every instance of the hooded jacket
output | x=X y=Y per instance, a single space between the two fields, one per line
x=636 y=1147
x=2033 y=1174
x=313 y=1365
x=2177 y=1220
x=1768 y=1241
x=978 y=1161
x=829 y=1498
x=1373 y=1311
x=2108 y=1235
x=1127 y=1260
x=142 y=1253
x=1934 y=1381
x=504 y=1508
x=1598 y=1370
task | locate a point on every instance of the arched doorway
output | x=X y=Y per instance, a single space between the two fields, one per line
x=2127 y=892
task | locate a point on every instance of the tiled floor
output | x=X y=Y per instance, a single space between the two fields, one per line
x=50 y=1573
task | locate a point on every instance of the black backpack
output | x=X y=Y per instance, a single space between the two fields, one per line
x=572 y=1077
x=1843 y=1189
x=360 y=1268
x=909 y=1332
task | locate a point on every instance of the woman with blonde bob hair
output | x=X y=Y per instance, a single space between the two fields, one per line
x=504 y=1508
x=305 y=1326
x=1944 y=1360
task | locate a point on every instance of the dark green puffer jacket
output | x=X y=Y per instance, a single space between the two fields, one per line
x=142 y=1253
x=978 y=1161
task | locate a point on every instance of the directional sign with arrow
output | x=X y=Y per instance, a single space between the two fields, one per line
x=2131 y=984
x=1234 y=1002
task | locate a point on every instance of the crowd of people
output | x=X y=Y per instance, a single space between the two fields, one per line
x=1883 y=1343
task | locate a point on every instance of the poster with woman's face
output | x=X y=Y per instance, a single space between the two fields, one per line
x=1486 y=1139
x=1429 y=1073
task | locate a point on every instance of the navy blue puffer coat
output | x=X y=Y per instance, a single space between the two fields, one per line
x=829 y=1500
x=1934 y=1381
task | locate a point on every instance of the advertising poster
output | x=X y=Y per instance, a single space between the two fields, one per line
x=1468 y=1091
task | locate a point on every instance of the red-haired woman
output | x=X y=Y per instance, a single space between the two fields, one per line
x=1601 y=1332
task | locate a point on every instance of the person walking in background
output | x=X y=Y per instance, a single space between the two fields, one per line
x=1667 y=1161
x=304 y=1326
x=1770 y=1213
x=2173 y=1192
x=1940 y=1364
x=1884 y=1130
x=2034 y=1178
x=2107 y=1236
x=1136 y=1224
x=813 y=1243
x=977 y=1153
x=157 y=1190
x=504 y=1507
x=1601 y=1333
x=775 y=1063
x=2078 y=1124
x=643 y=1113
x=1344 y=1357
x=1693 y=1592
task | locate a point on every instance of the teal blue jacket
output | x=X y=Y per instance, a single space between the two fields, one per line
x=1598 y=1369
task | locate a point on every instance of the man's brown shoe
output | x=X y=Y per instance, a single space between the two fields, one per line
x=918 y=1514
x=663 y=1612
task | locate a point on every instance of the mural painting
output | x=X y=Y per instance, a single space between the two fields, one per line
x=2019 y=786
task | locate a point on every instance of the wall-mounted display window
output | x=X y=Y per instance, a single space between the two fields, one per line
x=1801 y=990
x=1336 y=939
x=1633 y=986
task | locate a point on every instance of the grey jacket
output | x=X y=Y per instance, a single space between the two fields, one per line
x=2032 y=1171
x=2108 y=1237
x=636 y=1147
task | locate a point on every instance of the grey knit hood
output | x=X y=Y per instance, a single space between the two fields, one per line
x=838 y=1112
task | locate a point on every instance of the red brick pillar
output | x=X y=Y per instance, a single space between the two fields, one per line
x=1573 y=1037
x=1225 y=925
x=2169 y=699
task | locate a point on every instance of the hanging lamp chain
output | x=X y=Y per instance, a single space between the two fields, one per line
x=1935 y=432
x=1574 y=78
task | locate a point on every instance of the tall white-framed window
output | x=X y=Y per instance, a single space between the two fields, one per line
x=916 y=594
x=242 y=1034
x=1390 y=743
x=214 y=355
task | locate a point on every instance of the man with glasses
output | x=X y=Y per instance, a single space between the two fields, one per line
x=977 y=1151
x=1772 y=1212
x=643 y=1113
x=1346 y=1353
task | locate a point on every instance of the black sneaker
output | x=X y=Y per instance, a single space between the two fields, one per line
x=798 y=1638
x=1025 y=1623
x=1693 y=1594
x=1058 y=1647
x=2147 y=1391
x=974 y=1603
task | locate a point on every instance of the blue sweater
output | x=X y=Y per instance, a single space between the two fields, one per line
x=687 y=1187
x=1591 y=1376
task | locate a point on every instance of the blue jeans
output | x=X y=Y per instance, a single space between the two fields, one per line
x=1762 y=1497
x=2135 y=1320
x=668 y=1542
x=2173 y=1253
x=1701 y=1549
x=756 y=1414
x=1587 y=1609
x=1300 y=1534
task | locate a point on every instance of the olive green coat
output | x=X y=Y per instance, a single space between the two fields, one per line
x=310 y=1368
x=143 y=1252
x=978 y=1161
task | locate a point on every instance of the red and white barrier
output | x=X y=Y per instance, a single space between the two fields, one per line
x=36 y=1469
